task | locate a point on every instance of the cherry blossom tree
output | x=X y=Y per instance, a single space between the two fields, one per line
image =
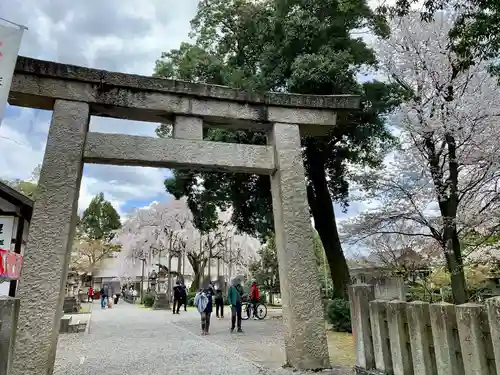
x=168 y=229
x=86 y=254
x=444 y=180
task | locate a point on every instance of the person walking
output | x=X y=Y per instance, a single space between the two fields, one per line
x=178 y=297
x=184 y=295
x=254 y=298
x=234 y=298
x=219 y=303
x=90 y=295
x=203 y=303
x=104 y=297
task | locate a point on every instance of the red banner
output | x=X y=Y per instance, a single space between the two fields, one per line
x=10 y=265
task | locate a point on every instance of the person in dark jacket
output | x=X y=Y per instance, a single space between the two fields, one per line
x=219 y=303
x=178 y=297
x=104 y=297
x=184 y=295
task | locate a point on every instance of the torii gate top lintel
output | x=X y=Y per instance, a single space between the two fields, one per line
x=122 y=95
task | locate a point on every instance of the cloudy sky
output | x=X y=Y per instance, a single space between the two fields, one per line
x=116 y=35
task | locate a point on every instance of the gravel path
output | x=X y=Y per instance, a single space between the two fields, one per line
x=131 y=340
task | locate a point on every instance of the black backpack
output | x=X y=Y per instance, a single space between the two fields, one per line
x=240 y=290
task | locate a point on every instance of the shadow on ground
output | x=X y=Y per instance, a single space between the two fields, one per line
x=262 y=341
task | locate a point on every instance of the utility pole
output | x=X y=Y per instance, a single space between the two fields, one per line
x=142 y=278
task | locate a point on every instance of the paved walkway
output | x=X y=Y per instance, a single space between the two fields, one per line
x=131 y=340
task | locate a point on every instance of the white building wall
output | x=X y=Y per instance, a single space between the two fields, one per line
x=116 y=267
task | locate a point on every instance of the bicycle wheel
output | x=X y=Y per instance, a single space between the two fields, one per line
x=245 y=311
x=261 y=311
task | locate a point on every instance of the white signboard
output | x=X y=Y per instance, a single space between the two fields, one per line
x=10 y=41
x=6 y=228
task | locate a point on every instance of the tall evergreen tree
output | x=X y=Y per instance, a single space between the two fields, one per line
x=99 y=220
x=300 y=46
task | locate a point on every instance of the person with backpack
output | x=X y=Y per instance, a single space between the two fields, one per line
x=184 y=295
x=234 y=295
x=254 y=298
x=178 y=297
x=203 y=303
x=219 y=303
x=104 y=297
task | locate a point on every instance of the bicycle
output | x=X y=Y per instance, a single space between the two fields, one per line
x=247 y=309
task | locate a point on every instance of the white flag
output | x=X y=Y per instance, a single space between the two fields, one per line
x=10 y=41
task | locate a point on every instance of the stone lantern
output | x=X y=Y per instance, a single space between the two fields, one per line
x=162 y=279
x=161 y=298
x=152 y=280
x=71 y=301
x=70 y=284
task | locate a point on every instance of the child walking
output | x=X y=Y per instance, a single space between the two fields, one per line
x=203 y=302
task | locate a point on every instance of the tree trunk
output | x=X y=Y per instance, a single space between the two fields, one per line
x=321 y=205
x=198 y=265
x=447 y=196
x=180 y=276
x=453 y=256
x=339 y=271
x=169 y=280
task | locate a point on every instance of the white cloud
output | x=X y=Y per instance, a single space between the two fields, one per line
x=115 y=35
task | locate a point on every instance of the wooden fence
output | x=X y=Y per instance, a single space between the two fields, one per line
x=418 y=338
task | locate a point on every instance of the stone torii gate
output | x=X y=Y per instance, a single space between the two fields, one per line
x=75 y=93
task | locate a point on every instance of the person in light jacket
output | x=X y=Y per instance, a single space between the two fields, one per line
x=203 y=302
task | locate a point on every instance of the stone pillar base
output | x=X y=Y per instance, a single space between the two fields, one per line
x=161 y=302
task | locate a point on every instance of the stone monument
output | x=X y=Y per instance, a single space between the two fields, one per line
x=71 y=300
x=75 y=93
x=161 y=297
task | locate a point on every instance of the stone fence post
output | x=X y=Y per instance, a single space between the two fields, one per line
x=360 y=296
x=380 y=336
x=9 y=312
x=472 y=338
x=421 y=341
x=446 y=344
x=398 y=337
x=493 y=308
x=390 y=288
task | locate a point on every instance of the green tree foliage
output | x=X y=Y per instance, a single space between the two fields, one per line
x=26 y=187
x=265 y=270
x=476 y=33
x=300 y=46
x=99 y=220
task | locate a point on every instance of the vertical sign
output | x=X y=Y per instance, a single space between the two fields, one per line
x=6 y=228
x=10 y=41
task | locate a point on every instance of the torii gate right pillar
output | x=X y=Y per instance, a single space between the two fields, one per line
x=306 y=346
